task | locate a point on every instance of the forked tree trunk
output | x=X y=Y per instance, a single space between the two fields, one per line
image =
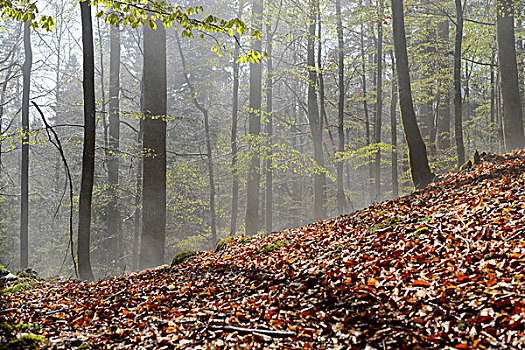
x=88 y=155
x=154 y=148
x=24 y=176
x=510 y=93
x=421 y=174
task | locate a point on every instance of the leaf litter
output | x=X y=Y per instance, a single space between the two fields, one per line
x=441 y=267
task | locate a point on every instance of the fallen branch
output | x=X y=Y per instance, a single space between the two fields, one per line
x=242 y=330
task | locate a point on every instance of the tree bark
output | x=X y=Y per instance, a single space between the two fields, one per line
x=510 y=92
x=341 y=199
x=443 y=116
x=458 y=122
x=235 y=113
x=421 y=174
x=88 y=154
x=205 y=114
x=254 y=126
x=269 y=132
x=154 y=148
x=113 y=218
x=313 y=117
x=393 y=126
x=379 y=104
x=24 y=176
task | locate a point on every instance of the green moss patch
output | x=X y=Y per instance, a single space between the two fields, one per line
x=390 y=221
x=271 y=247
x=26 y=341
x=183 y=256
x=20 y=287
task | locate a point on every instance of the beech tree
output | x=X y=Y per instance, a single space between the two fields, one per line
x=508 y=69
x=421 y=174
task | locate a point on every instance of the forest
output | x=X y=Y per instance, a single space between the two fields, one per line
x=263 y=174
x=134 y=130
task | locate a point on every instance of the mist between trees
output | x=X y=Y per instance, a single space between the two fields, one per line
x=134 y=130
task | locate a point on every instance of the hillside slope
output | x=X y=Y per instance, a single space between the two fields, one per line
x=441 y=267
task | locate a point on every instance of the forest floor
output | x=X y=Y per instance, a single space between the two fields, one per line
x=443 y=267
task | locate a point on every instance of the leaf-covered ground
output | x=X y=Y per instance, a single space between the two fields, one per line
x=439 y=268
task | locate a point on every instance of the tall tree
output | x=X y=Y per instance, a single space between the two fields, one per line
x=510 y=92
x=269 y=131
x=113 y=215
x=233 y=142
x=341 y=201
x=313 y=116
x=154 y=147
x=88 y=154
x=24 y=176
x=393 y=127
x=458 y=109
x=209 y=153
x=443 y=110
x=254 y=126
x=417 y=152
x=379 y=102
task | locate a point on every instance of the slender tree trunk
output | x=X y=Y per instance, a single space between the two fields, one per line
x=313 y=117
x=154 y=148
x=365 y=100
x=88 y=155
x=204 y=111
x=235 y=113
x=421 y=174
x=269 y=132
x=393 y=126
x=138 y=196
x=510 y=92
x=492 y=100
x=458 y=122
x=254 y=126
x=341 y=199
x=379 y=103
x=113 y=219
x=443 y=116
x=24 y=177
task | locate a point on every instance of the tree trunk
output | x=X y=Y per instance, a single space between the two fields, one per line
x=269 y=132
x=24 y=176
x=235 y=113
x=254 y=126
x=379 y=104
x=365 y=101
x=113 y=219
x=458 y=122
x=341 y=199
x=421 y=174
x=205 y=114
x=393 y=126
x=313 y=117
x=154 y=148
x=88 y=155
x=510 y=92
x=443 y=116
x=138 y=194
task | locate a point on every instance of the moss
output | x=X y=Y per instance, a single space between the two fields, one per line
x=222 y=244
x=16 y=288
x=390 y=221
x=6 y=328
x=421 y=231
x=24 y=327
x=183 y=256
x=26 y=341
x=466 y=166
x=272 y=247
x=85 y=345
x=245 y=239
